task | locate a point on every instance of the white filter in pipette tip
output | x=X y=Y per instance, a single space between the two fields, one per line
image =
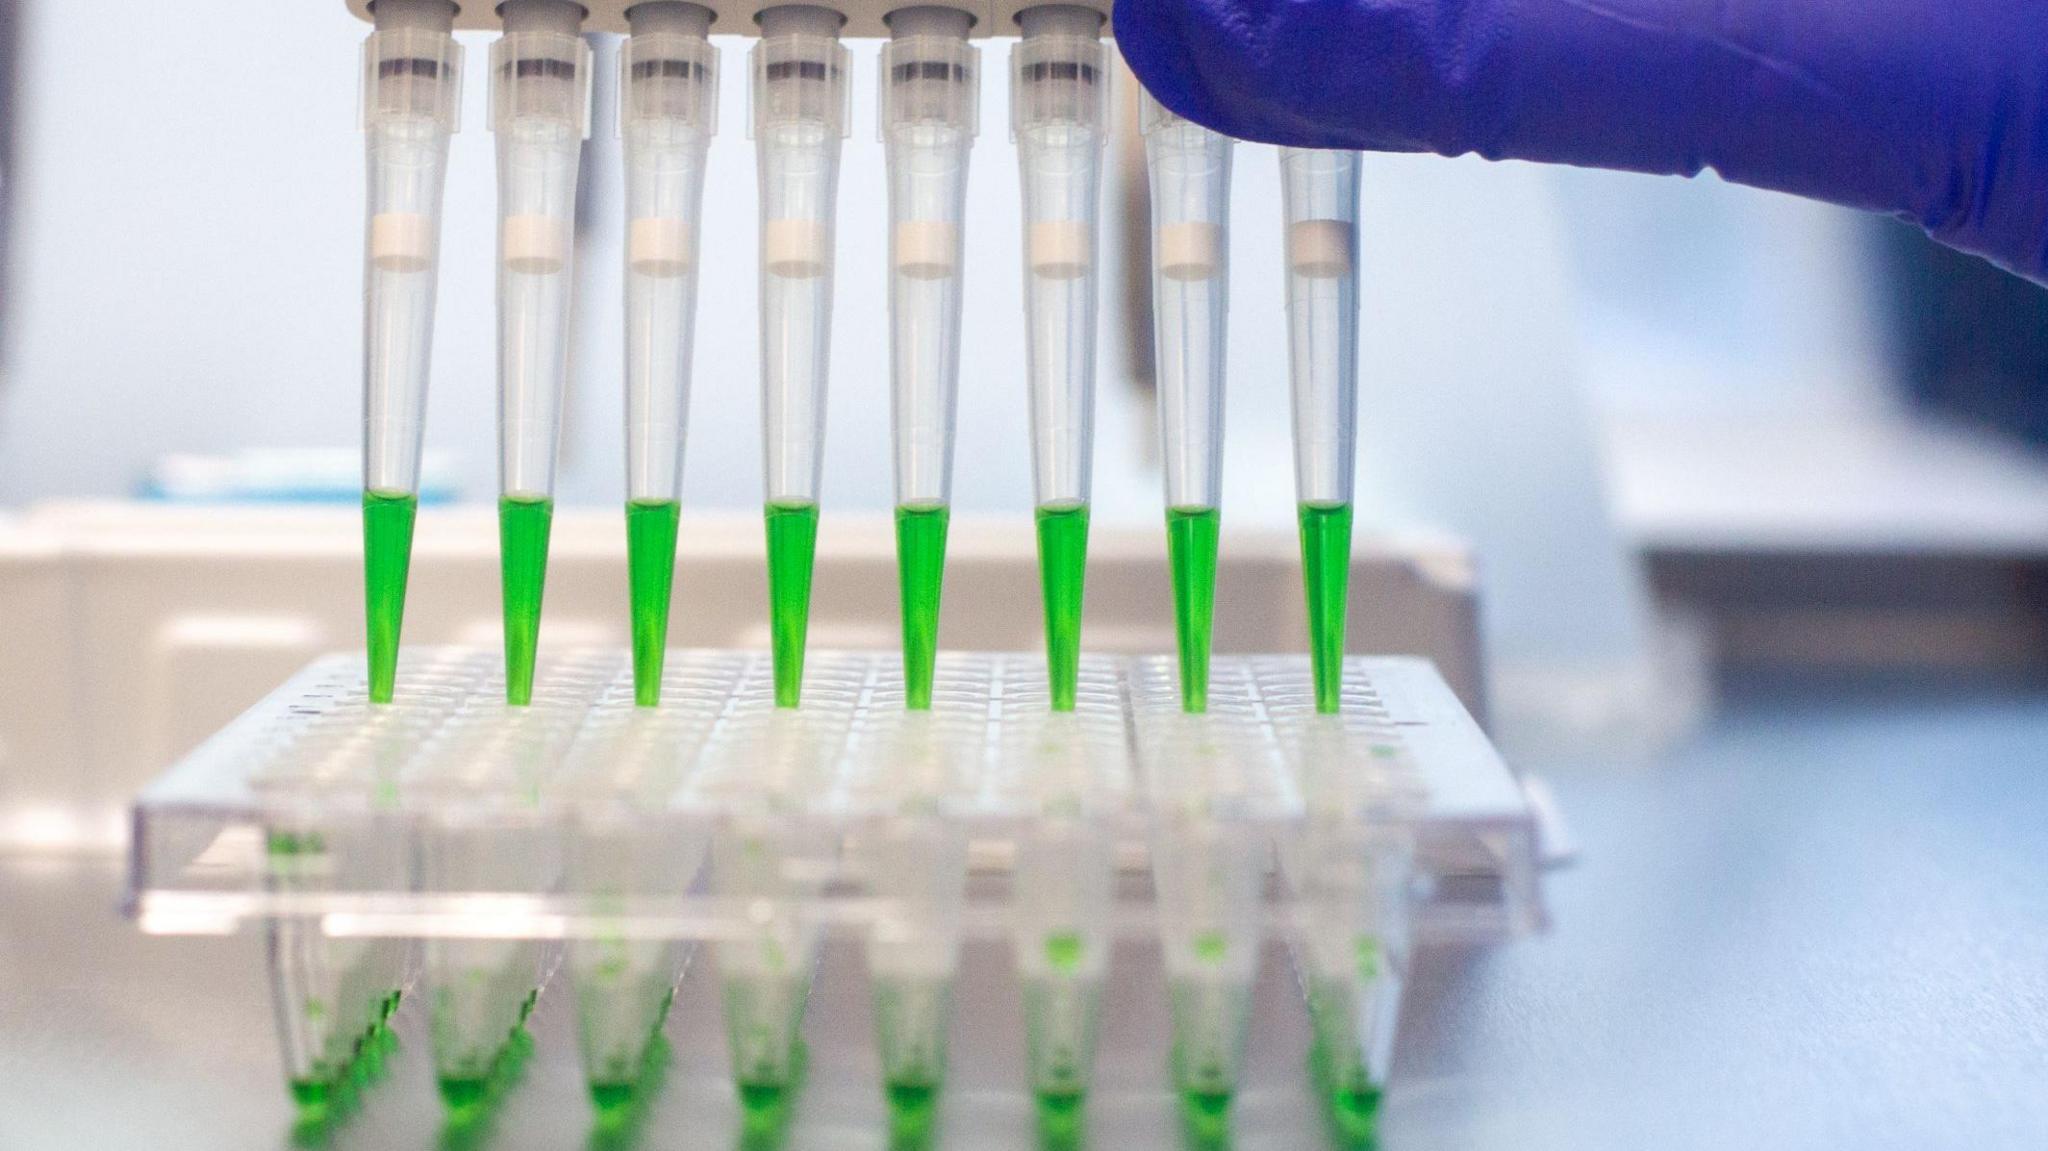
x=1320 y=249
x=661 y=248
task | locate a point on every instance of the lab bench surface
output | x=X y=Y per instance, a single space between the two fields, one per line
x=1822 y=923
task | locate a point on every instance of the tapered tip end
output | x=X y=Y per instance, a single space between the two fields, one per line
x=1191 y=535
x=1326 y=583
x=387 y=559
x=523 y=529
x=651 y=570
x=921 y=574
x=1062 y=578
x=792 y=546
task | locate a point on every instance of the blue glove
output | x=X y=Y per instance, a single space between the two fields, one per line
x=1933 y=110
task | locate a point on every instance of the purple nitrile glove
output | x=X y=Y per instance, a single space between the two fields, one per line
x=1932 y=110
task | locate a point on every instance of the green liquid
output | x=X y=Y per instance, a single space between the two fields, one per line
x=1355 y=1119
x=387 y=557
x=792 y=545
x=1061 y=1120
x=523 y=565
x=765 y=1110
x=1063 y=951
x=650 y=574
x=1191 y=550
x=920 y=574
x=613 y=1099
x=464 y=1093
x=1062 y=571
x=1205 y=1115
x=1326 y=579
x=312 y=1096
x=913 y=1114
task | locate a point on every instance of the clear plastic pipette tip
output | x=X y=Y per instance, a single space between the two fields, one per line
x=1059 y=81
x=930 y=77
x=1320 y=194
x=799 y=116
x=668 y=112
x=540 y=114
x=412 y=95
x=1190 y=176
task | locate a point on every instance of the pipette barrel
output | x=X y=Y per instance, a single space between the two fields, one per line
x=1059 y=82
x=799 y=117
x=412 y=96
x=668 y=112
x=540 y=113
x=1320 y=193
x=930 y=80
x=1190 y=178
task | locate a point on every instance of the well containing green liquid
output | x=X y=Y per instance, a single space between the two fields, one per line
x=650 y=575
x=913 y=1115
x=792 y=547
x=1061 y=1120
x=523 y=526
x=1326 y=581
x=1191 y=552
x=1062 y=573
x=1205 y=1117
x=920 y=575
x=387 y=558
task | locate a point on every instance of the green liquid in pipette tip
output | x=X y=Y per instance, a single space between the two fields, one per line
x=1191 y=551
x=1062 y=572
x=1326 y=580
x=920 y=575
x=792 y=545
x=523 y=524
x=650 y=573
x=387 y=557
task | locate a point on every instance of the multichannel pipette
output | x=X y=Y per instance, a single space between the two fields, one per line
x=800 y=116
x=540 y=104
x=1190 y=170
x=668 y=111
x=412 y=91
x=930 y=87
x=1320 y=189
x=1057 y=113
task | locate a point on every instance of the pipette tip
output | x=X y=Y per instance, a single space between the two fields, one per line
x=523 y=527
x=1191 y=551
x=651 y=569
x=387 y=558
x=1326 y=581
x=1062 y=574
x=921 y=571
x=792 y=545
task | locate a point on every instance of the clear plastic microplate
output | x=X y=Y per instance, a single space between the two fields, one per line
x=610 y=839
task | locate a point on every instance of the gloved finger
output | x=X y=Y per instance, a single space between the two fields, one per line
x=1934 y=110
